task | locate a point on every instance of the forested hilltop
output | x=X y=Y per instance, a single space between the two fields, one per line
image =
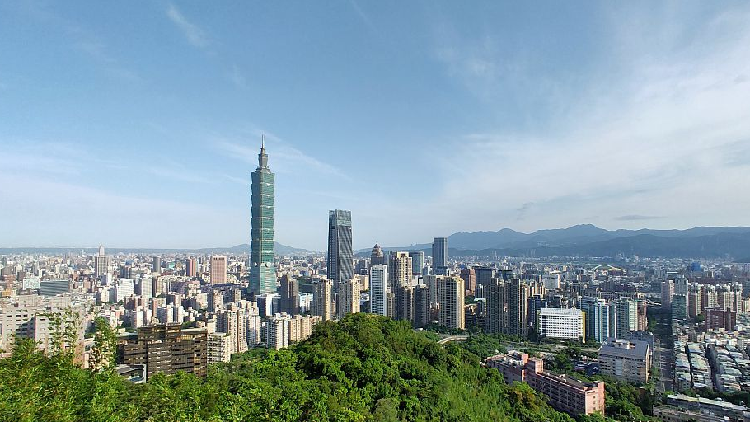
x=363 y=368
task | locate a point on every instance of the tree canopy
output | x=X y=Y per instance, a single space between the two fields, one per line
x=362 y=368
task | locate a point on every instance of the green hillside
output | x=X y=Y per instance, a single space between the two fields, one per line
x=363 y=368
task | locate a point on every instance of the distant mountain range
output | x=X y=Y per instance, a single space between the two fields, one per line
x=587 y=240
x=232 y=250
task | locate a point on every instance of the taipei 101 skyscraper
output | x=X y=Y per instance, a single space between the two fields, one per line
x=262 y=270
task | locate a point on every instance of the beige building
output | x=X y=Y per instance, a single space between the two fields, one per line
x=348 y=300
x=626 y=359
x=219 y=347
x=322 y=305
x=399 y=269
x=450 y=295
x=218 y=269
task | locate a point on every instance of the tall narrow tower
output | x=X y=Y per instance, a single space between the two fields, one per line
x=262 y=271
x=340 y=254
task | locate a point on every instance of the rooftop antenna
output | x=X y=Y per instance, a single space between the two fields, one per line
x=262 y=140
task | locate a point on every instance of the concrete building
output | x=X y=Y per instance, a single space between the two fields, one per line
x=626 y=359
x=191 y=267
x=219 y=347
x=565 y=394
x=470 y=280
x=399 y=270
x=720 y=319
x=323 y=299
x=683 y=408
x=348 y=298
x=561 y=323
x=218 y=269
x=379 y=289
x=421 y=306
x=166 y=349
x=289 y=295
x=598 y=318
x=450 y=292
x=417 y=262
x=277 y=331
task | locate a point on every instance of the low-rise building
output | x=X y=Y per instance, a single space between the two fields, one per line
x=625 y=359
x=565 y=394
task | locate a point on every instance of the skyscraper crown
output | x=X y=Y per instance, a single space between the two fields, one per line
x=263 y=157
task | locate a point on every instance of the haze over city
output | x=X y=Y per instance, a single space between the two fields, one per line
x=139 y=127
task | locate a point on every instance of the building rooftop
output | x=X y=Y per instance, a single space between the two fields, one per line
x=630 y=349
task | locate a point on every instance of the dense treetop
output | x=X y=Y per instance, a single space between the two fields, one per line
x=363 y=368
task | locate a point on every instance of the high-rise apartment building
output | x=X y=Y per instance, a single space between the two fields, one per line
x=517 y=294
x=379 y=289
x=626 y=317
x=218 y=269
x=598 y=319
x=233 y=322
x=399 y=270
x=470 y=280
x=667 y=290
x=483 y=276
x=440 y=256
x=417 y=262
x=262 y=268
x=496 y=319
x=421 y=305
x=323 y=299
x=450 y=292
x=289 y=292
x=405 y=303
x=348 y=298
x=340 y=262
x=101 y=263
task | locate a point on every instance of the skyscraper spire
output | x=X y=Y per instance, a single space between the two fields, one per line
x=262 y=157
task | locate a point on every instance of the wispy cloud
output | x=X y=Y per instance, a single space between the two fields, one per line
x=365 y=18
x=645 y=140
x=284 y=156
x=82 y=39
x=194 y=34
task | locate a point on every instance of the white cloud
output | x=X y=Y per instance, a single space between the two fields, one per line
x=655 y=139
x=195 y=35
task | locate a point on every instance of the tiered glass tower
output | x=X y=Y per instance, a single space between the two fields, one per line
x=262 y=271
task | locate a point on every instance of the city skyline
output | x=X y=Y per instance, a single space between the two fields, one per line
x=523 y=113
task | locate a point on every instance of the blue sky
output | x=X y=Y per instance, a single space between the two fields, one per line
x=137 y=124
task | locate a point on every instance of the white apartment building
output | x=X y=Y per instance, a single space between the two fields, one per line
x=561 y=323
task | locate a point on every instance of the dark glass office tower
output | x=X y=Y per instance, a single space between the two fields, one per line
x=262 y=271
x=440 y=256
x=340 y=262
